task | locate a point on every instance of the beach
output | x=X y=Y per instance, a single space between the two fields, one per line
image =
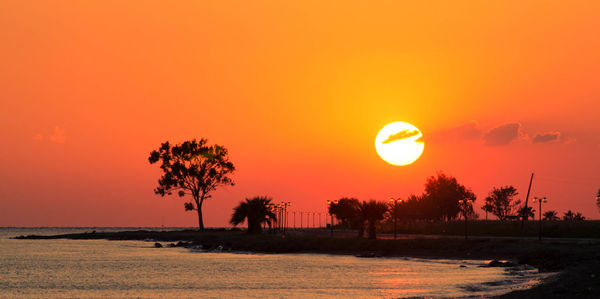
x=566 y=267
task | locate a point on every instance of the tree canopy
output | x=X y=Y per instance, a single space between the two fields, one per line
x=571 y=216
x=442 y=196
x=346 y=211
x=598 y=198
x=502 y=203
x=372 y=212
x=551 y=216
x=192 y=168
x=255 y=212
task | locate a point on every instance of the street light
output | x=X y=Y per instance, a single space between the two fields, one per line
x=464 y=204
x=395 y=212
x=540 y=200
x=284 y=206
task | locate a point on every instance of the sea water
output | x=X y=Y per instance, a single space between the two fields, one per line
x=135 y=269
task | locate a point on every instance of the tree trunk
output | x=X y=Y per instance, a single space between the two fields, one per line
x=200 y=222
x=372 y=234
x=361 y=230
x=199 y=210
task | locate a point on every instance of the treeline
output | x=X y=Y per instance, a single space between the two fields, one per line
x=445 y=199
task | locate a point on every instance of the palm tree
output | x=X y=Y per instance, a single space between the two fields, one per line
x=372 y=212
x=526 y=212
x=569 y=216
x=551 y=216
x=255 y=211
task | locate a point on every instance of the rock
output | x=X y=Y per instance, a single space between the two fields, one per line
x=158 y=245
x=497 y=263
x=463 y=266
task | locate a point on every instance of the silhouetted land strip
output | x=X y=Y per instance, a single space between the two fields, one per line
x=579 y=262
x=551 y=229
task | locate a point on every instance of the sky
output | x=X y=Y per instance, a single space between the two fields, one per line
x=296 y=91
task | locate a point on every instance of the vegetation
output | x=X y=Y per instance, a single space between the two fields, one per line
x=346 y=210
x=551 y=216
x=570 y=216
x=598 y=198
x=193 y=168
x=256 y=212
x=441 y=201
x=526 y=212
x=502 y=203
x=372 y=212
x=442 y=196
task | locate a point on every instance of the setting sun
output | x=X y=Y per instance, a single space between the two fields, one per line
x=398 y=143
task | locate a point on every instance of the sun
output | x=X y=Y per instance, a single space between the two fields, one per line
x=398 y=143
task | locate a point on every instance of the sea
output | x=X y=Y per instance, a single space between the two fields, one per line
x=136 y=269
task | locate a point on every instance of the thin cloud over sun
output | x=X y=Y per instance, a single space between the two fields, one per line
x=401 y=135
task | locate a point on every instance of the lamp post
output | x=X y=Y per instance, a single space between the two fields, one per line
x=464 y=204
x=395 y=212
x=284 y=206
x=540 y=200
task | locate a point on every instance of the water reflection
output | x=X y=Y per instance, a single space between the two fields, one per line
x=99 y=268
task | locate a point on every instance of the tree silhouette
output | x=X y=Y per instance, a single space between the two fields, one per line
x=501 y=202
x=598 y=198
x=442 y=196
x=570 y=216
x=526 y=212
x=193 y=168
x=551 y=216
x=346 y=211
x=255 y=211
x=372 y=212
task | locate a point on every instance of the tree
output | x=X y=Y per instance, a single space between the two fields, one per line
x=346 y=211
x=570 y=216
x=501 y=202
x=598 y=198
x=255 y=212
x=526 y=212
x=488 y=208
x=372 y=212
x=443 y=195
x=192 y=168
x=551 y=216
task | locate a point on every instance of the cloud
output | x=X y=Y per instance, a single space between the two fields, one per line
x=38 y=137
x=401 y=135
x=58 y=136
x=546 y=137
x=503 y=134
x=467 y=131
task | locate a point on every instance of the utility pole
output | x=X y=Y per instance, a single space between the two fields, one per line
x=526 y=201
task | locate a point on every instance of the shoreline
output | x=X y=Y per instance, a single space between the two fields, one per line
x=577 y=264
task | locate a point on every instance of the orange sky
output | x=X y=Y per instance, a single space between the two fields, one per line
x=297 y=91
